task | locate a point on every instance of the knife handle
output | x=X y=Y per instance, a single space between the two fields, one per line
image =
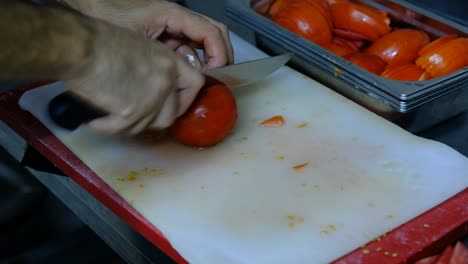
x=69 y=112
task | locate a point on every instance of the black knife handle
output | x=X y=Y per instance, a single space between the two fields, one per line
x=69 y=112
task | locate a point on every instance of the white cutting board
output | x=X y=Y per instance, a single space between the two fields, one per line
x=241 y=202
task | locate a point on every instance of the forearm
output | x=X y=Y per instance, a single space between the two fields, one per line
x=42 y=43
x=123 y=13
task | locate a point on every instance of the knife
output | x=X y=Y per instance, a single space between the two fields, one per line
x=69 y=111
x=236 y=75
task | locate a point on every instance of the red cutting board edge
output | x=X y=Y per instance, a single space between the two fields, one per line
x=423 y=236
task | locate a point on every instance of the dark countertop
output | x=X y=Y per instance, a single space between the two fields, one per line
x=453 y=132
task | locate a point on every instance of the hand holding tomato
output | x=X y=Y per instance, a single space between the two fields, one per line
x=147 y=88
x=210 y=118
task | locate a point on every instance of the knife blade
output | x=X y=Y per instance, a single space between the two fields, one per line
x=244 y=73
x=69 y=112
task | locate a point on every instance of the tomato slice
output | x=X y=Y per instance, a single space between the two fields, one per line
x=445 y=256
x=399 y=47
x=459 y=255
x=321 y=6
x=340 y=48
x=431 y=47
x=428 y=260
x=331 y=2
x=445 y=59
x=275 y=121
x=451 y=255
x=279 y=5
x=349 y=34
x=344 y=47
x=405 y=72
x=305 y=20
x=372 y=63
x=261 y=6
x=366 y=23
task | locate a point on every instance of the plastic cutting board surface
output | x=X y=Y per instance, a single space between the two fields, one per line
x=241 y=201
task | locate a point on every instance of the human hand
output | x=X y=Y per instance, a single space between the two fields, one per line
x=140 y=83
x=178 y=28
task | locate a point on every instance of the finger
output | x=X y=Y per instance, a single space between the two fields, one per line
x=144 y=123
x=168 y=113
x=200 y=30
x=154 y=32
x=189 y=83
x=227 y=39
x=132 y=120
x=172 y=42
x=112 y=124
x=132 y=114
x=185 y=98
x=189 y=55
x=228 y=43
x=184 y=48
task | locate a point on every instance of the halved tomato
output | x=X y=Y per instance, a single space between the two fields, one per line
x=459 y=254
x=261 y=6
x=343 y=47
x=356 y=21
x=279 y=5
x=444 y=257
x=369 y=62
x=445 y=59
x=400 y=46
x=428 y=260
x=404 y=72
x=305 y=20
x=331 y=2
x=321 y=6
x=431 y=47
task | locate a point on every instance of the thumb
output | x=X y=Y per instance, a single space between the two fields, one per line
x=190 y=55
x=189 y=83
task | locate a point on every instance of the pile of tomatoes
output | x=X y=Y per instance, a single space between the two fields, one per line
x=364 y=36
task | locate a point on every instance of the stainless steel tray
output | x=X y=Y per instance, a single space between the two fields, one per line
x=412 y=105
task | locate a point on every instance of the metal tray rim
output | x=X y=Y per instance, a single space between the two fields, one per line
x=388 y=89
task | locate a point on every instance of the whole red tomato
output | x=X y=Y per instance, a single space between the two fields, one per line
x=210 y=118
x=400 y=46
x=307 y=21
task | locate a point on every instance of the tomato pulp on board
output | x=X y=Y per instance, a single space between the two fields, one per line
x=211 y=117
